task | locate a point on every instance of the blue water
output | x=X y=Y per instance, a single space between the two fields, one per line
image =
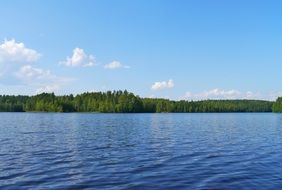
x=140 y=151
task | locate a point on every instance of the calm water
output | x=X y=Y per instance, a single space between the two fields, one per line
x=140 y=151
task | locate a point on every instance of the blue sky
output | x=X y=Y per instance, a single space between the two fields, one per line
x=175 y=49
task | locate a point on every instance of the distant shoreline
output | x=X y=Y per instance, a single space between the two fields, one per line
x=126 y=102
x=127 y=112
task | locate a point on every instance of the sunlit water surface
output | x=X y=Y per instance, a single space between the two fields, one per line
x=140 y=151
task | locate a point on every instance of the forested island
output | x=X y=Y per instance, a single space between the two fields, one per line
x=125 y=102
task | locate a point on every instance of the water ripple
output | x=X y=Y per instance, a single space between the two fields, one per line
x=140 y=151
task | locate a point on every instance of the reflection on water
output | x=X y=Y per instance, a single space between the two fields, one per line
x=140 y=151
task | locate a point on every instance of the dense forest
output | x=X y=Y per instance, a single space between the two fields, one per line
x=277 y=106
x=125 y=102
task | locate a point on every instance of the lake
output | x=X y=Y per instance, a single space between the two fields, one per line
x=140 y=151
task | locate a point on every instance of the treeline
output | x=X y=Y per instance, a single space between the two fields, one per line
x=124 y=102
x=277 y=106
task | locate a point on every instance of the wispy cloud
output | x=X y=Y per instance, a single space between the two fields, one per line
x=230 y=94
x=53 y=86
x=41 y=80
x=27 y=72
x=115 y=65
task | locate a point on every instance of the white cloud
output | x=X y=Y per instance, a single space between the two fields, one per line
x=79 y=58
x=53 y=84
x=48 y=88
x=163 y=85
x=152 y=96
x=25 y=76
x=214 y=94
x=274 y=95
x=41 y=80
x=115 y=65
x=230 y=94
x=13 y=54
x=11 y=51
x=29 y=72
x=56 y=84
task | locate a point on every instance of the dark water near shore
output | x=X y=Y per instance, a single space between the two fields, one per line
x=140 y=151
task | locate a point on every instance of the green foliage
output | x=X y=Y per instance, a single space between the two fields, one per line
x=277 y=106
x=163 y=105
x=125 y=102
x=12 y=103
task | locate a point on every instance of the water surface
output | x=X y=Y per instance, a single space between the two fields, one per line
x=140 y=151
